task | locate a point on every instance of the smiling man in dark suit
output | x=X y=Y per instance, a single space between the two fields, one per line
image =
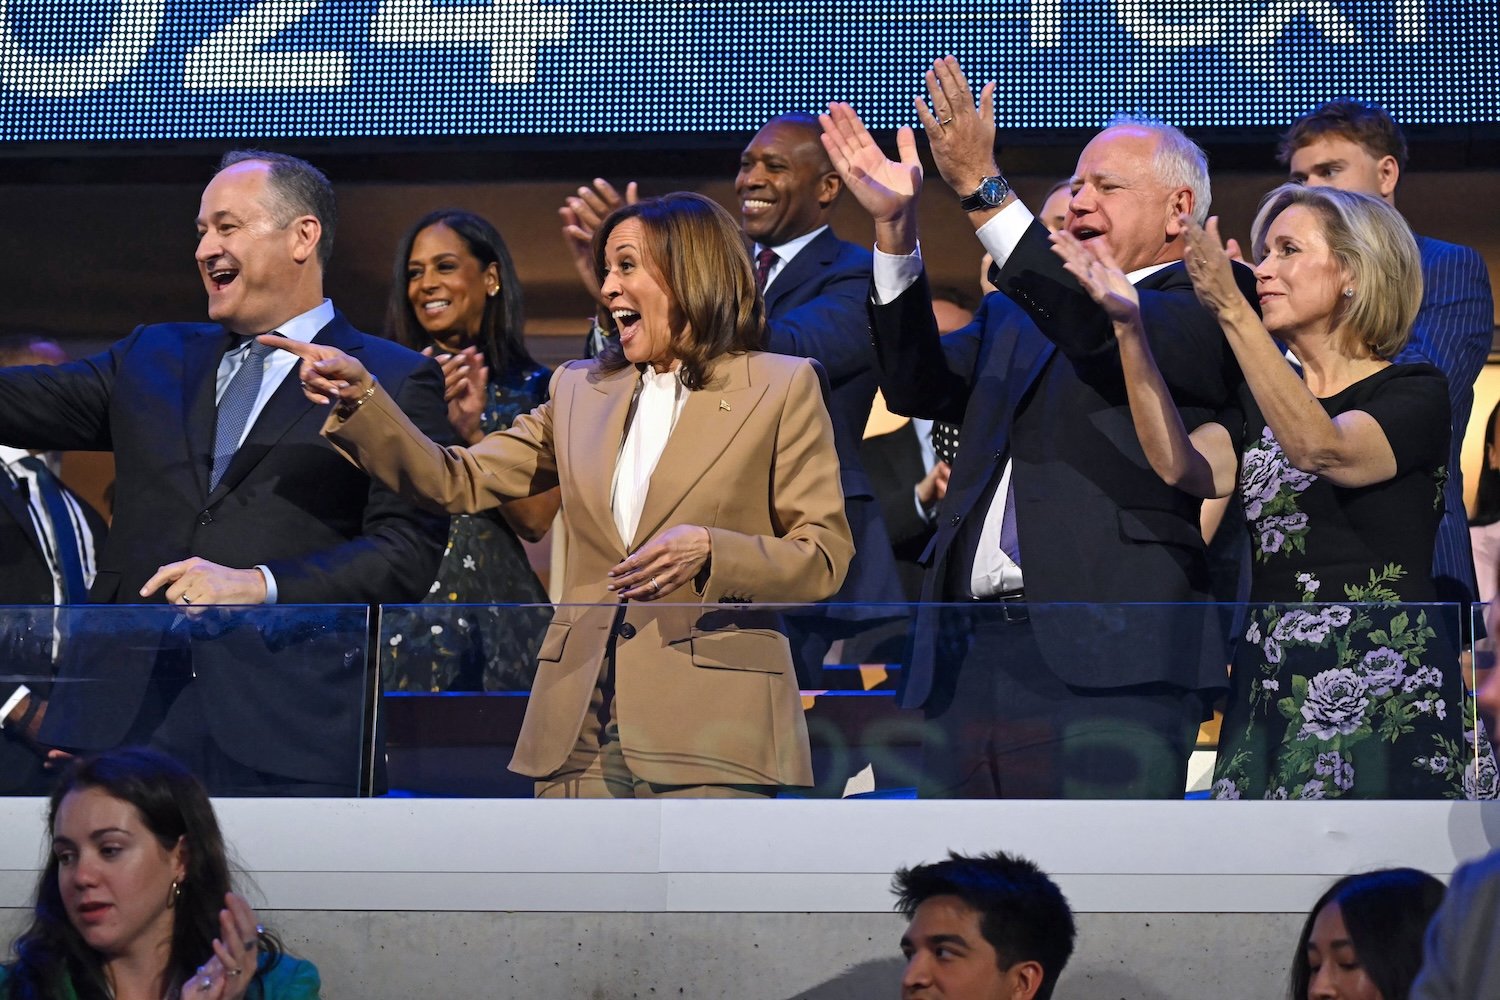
x=1043 y=683
x=226 y=495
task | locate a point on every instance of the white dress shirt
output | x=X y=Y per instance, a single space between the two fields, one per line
x=785 y=252
x=658 y=404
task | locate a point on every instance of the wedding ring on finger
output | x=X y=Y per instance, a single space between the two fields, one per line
x=232 y=973
x=655 y=587
x=185 y=599
x=944 y=122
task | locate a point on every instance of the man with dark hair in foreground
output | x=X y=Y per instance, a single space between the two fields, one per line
x=992 y=927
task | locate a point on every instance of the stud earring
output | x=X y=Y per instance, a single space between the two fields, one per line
x=176 y=894
x=1348 y=293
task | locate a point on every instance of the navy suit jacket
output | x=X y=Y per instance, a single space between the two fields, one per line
x=815 y=308
x=1453 y=331
x=326 y=531
x=26 y=639
x=894 y=462
x=1036 y=377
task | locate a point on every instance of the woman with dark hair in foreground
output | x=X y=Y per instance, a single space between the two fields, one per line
x=135 y=900
x=1362 y=940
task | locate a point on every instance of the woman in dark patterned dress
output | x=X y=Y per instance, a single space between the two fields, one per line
x=1340 y=471
x=455 y=297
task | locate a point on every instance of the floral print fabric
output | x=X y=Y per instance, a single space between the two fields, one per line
x=1344 y=683
x=438 y=647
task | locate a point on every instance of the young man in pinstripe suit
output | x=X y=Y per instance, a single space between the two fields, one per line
x=1358 y=147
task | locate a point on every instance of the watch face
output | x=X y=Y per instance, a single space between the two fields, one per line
x=992 y=190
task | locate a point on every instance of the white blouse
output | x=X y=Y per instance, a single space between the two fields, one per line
x=657 y=406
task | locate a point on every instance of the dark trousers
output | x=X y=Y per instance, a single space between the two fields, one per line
x=1000 y=724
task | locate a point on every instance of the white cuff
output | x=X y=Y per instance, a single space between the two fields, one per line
x=894 y=274
x=1004 y=230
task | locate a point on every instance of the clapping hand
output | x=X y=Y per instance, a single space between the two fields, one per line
x=465 y=379
x=582 y=214
x=887 y=189
x=228 y=972
x=1096 y=269
x=962 y=135
x=1209 y=266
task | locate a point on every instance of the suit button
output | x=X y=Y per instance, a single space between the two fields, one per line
x=998 y=455
x=956 y=519
x=206 y=517
x=625 y=631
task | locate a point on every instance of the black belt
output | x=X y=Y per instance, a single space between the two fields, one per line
x=1012 y=605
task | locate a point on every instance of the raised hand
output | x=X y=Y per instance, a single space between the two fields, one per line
x=1208 y=265
x=328 y=375
x=236 y=951
x=1100 y=275
x=581 y=215
x=887 y=189
x=962 y=135
x=465 y=379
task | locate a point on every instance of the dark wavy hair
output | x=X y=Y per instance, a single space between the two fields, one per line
x=1386 y=912
x=53 y=960
x=502 y=329
x=696 y=250
x=1022 y=913
x=1487 y=493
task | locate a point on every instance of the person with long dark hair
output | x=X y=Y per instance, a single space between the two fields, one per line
x=455 y=297
x=1362 y=939
x=694 y=468
x=135 y=901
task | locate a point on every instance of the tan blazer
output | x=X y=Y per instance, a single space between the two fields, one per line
x=704 y=692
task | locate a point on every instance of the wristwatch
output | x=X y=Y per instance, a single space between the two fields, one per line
x=989 y=194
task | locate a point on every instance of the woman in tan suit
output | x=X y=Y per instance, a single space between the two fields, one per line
x=696 y=472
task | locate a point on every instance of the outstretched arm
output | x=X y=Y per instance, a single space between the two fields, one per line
x=581 y=215
x=1202 y=463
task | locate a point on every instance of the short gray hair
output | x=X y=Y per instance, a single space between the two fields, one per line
x=1179 y=161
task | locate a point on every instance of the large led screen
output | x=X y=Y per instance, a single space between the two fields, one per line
x=102 y=70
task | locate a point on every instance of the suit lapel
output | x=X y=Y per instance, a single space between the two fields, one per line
x=201 y=354
x=710 y=419
x=814 y=257
x=10 y=499
x=595 y=429
x=283 y=409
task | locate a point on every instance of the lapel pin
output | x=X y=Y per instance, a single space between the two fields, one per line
x=723 y=406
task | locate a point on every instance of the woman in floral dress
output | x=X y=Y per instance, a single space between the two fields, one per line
x=1340 y=471
x=455 y=296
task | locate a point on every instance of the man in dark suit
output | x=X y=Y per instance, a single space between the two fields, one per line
x=227 y=495
x=815 y=286
x=1359 y=147
x=1043 y=683
x=49 y=537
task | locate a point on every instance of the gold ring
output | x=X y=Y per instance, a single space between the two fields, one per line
x=945 y=122
x=235 y=972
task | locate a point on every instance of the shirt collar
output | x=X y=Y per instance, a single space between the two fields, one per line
x=306 y=326
x=791 y=248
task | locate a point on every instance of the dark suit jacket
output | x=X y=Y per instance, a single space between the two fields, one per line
x=1453 y=331
x=288 y=501
x=894 y=463
x=1037 y=377
x=26 y=637
x=815 y=308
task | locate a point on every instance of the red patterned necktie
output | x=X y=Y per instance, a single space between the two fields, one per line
x=764 y=261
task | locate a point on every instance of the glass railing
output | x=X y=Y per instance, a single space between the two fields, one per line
x=265 y=700
x=1333 y=700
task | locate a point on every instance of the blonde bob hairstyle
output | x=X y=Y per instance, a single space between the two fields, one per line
x=1374 y=245
x=695 y=249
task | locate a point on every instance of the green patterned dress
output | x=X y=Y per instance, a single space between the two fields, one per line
x=1343 y=686
x=436 y=647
